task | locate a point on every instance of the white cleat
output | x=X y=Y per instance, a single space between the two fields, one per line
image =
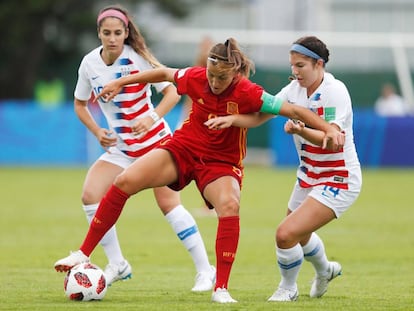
x=320 y=283
x=283 y=294
x=205 y=281
x=221 y=295
x=67 y=263
x=114 y=273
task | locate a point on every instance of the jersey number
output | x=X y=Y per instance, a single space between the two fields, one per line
x=328 y=191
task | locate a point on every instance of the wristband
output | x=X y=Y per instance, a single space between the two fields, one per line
x=154 y=116
x=271 y=104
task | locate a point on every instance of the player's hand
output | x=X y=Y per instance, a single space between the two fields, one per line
x=109 y=91
x=219 y=123
x=334 y=140
x=106 y=138
x=293 y=126
x=142 y=126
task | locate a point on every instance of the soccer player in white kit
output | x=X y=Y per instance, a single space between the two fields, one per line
x=328 y=182
x=135 y=127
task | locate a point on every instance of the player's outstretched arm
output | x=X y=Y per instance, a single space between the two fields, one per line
x=334 y=138
x=240 y=120
x=149 y=76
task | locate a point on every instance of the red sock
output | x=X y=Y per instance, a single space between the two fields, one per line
x=105 y=217
x=227 y=239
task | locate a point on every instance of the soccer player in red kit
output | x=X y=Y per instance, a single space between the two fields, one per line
x=211 y=156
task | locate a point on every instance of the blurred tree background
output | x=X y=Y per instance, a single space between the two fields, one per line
x=46 y=39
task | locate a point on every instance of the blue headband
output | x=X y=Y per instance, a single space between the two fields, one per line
x=305 y=51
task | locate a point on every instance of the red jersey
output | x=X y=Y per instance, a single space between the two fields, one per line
x=226 y=145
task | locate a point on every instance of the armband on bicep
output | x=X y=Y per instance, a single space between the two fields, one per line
x=271 y=104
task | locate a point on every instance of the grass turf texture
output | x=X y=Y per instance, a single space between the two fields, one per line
x=41 y=220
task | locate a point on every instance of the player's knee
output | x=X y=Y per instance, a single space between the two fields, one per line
x=89 y=197
x=121 y=181
x=229 y=207
x=128 y=183
x=284 y=237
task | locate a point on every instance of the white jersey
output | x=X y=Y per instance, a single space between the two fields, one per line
x=332 y=102
x=132 y=102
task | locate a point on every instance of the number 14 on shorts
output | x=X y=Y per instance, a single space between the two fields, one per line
x=330 y=191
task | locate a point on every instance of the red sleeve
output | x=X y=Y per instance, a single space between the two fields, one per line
x=252 y=95
x=181 y=78
x=257 y=92
x=189 y=78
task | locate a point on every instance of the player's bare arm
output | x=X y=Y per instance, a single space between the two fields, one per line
x=239 y=120
x=149 y=76
x=316 y=137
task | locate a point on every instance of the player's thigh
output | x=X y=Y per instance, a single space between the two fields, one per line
x=154 y=169
x=99 y=178
x=308 y=217
x=224 y=194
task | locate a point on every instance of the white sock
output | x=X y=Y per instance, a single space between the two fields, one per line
x=110 y=241
x=314 y=252
x=184 y=225
x=289 y=261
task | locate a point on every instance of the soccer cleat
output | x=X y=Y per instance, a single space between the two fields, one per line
x=67 y=263
x=283 y=294
x=320 y=283
x=114 y=273
x=221 y=295
x=205 y=281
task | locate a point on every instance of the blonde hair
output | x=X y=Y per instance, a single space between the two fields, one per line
x=135 y=38
x=230 y=53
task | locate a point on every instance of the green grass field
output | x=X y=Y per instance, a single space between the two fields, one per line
x=42 y=220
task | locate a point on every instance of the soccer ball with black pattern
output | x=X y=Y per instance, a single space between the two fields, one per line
x=85 y=282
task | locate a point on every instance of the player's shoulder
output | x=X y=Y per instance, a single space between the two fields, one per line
x=191 y=72
x=246 y=84
x=333 y=83
x=93 y=54
x=330 y=79
x=129 y=57
x=91 y=59
x=247 y=90
x=196 y=71
x=129 y=53
x=293 y=87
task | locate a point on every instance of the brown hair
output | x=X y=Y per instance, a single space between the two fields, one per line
x=315 y=45
x=135 y=38
x=230 y=53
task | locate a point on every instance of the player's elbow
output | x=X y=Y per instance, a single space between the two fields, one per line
x=171 y=92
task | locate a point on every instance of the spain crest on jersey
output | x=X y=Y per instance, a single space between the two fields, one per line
x=232 y=108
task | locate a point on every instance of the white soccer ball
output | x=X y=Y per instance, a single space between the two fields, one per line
x=85 y=282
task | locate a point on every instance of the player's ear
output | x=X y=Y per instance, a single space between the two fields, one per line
x=320 y=62
x=126 y=33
